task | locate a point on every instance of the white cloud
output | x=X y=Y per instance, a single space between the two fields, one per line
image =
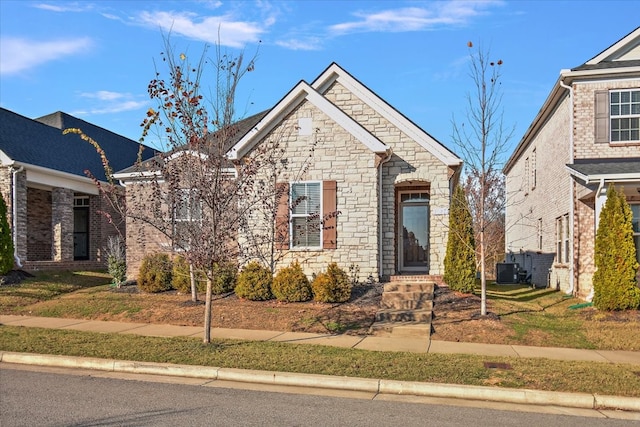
x=211 y=29
x=19 y=54
x=65 y=7
x=309 y=43
x=415 y=18
x=109 y=102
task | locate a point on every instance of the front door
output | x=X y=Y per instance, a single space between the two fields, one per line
x=80 y=233
x=413 y=230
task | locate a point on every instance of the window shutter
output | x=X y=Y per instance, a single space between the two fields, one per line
x=282 y=216
x=602 y=116
x=330 y=215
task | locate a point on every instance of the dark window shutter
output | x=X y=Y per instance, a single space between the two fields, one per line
x=329 y=215
x=282 y=216
x=602 y=116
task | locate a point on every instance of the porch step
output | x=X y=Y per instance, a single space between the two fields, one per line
x=405 y=308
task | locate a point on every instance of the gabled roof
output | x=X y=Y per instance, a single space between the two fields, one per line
x=40 y=143
x=620 y=60
x=314 y=93
x=303 y=92
x=335 y=73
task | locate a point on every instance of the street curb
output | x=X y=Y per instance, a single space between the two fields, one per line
x=378 y=386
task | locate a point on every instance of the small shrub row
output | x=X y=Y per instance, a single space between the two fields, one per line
x=290 y=284
x=159 y=273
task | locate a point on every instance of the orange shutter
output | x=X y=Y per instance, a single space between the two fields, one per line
x=282 y=216
x=329 y=215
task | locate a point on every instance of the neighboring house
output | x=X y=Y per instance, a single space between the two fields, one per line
x=54 y=209
x=585 y=138
x=388 y=182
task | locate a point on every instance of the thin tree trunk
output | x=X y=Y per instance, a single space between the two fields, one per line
x=207 y=310
x=194 y=289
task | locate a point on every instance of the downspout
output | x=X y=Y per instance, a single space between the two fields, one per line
x=14 y=208
x=387 y=157
x=572 y=279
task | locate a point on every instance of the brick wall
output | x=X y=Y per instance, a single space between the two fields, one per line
x=547 y=200
x=39 y=220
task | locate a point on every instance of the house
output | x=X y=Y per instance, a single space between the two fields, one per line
x=381 y=182
x=54 y=208
x=585 y=138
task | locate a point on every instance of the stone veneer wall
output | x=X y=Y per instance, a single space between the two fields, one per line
x=337 y=156
x=408 y=158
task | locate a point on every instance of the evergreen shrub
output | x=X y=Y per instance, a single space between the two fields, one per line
x=254 y=282
x=155 y=273
x=6 y=241
x=291 y=284
x=460 y=258
x=332 y=285
x=615 y=284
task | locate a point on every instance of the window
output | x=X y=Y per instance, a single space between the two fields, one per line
x=635 y=210
x=566 y=239
x=533 y=169
x=526 y=176
x=306 y=210
x=625 y=115
x=186 y=211
x=559 y=240
x=539 y=234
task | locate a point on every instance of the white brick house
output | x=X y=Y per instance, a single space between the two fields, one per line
x=389 y=180
x=585 y=137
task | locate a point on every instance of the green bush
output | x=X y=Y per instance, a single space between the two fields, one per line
x=614 y=282
x=291 y=284
x=6 y=242
x=460 y=259
x=181 y=279
x=116 y=260
x=155 y=273
x=224 y=278
x=331 y=286
x=254 y=282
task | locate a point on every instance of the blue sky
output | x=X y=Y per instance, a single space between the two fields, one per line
x=94 y=59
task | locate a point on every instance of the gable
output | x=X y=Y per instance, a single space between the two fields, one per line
x=300 y=93
x=334 y=74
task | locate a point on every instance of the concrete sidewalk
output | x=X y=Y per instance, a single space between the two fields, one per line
x=554 y=402
x=371 y=343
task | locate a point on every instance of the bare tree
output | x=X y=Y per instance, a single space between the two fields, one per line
x=482 y=139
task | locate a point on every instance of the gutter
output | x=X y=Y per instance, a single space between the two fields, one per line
x=389 y=153
x=572 y=279
x=14 y=207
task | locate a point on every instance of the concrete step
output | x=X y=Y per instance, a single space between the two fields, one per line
x=409 y=329
x=394 y=315
x=423 y=287
x=406 y=304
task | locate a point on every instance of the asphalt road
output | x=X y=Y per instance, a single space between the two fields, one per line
x=49 y=397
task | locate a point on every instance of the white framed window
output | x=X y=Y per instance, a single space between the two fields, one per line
x=187 y=210
x=539 y=234
x=624 y=110
x=566 y=238
x=635 y=210
x=80 y=201
x=306 y=211
x=559 y=240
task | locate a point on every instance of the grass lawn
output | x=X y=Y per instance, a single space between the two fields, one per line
x=525 y=314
